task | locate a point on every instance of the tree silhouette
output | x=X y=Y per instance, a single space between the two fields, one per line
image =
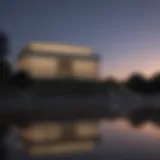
x=5 y=70
x=5 y=73
x=110 y=84
x=3 y=45
x=137 y=83
x=155 y=83
x=21 y=79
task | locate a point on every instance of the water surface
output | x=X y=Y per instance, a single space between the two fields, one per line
x=121 y=141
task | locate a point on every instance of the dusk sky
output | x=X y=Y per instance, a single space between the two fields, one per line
x=125 y=33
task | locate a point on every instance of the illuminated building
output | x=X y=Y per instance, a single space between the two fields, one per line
x=70 y=127
x=50 y=60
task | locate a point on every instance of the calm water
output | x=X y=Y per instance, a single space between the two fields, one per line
x=120 y=141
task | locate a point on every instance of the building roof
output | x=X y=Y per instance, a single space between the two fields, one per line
x=57 y=55
x=58 y=48
x=58 y=51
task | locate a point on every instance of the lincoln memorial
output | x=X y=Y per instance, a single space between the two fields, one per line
x=51 y=60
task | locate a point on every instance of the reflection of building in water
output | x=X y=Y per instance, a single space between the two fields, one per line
x=56 y=138
x=46 y=60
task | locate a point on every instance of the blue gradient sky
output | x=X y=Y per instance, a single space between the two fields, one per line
x=126 y=33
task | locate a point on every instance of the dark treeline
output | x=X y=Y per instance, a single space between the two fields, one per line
x=22 y=80
x=139 y=84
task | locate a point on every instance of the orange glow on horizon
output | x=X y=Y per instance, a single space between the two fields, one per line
x=146 y=65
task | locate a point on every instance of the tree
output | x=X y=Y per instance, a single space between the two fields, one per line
x=137 y=83
x=21 y=79
x=5 y=69
x=3 y=45
x=110 y=84
x=5 y=72
x=155 y=83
